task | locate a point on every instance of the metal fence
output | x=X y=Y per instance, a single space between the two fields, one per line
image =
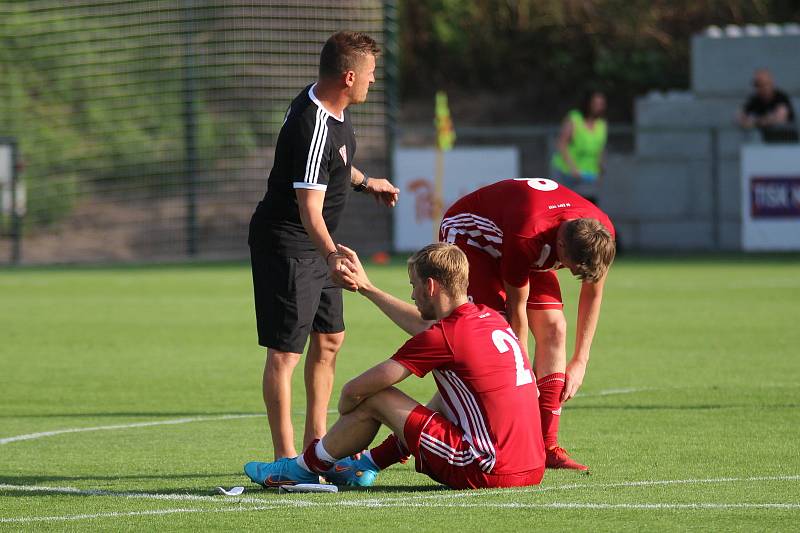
x=146 y=129
x=666 y=188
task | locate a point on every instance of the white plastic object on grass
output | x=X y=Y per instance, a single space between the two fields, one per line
x=307 y=487
x=234 y=491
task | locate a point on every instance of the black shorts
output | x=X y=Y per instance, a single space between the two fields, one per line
x=294 y=296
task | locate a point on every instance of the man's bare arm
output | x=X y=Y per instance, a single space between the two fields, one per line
x=380 y=188
x=372 y=381
x=309 y=204
x=402 y=313
x=589 y=304
x=517 y=310
x=564 y=138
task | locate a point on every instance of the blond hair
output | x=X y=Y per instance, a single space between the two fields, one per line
x=591 y=247
x=343 y=51
x=445 y=263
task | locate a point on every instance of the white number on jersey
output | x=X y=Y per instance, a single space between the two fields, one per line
x=540 y=184
x=505 y=340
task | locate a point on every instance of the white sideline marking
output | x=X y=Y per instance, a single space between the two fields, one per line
x=554 y=505
x=24 y=520
x=134 y=495
x=409 y=501
x=573 y=486
x=31 y=436
x=610 y=392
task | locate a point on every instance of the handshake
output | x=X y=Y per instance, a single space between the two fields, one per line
x=346 y=269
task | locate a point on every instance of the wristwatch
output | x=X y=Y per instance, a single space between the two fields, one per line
x=361 y=187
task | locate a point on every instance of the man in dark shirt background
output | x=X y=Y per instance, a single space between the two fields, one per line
x=769 y=109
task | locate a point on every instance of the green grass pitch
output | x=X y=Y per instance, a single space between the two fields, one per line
x=127 y=394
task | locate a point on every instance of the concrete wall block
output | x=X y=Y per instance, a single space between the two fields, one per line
x=729 y=188
x=673 y=143
x=700 y=190
x=658 y=110
x=730 y=236
x=725 y=65
x=730 y=141
x=661 y=189
x=627 y=234
x=675 y=235
x=617 y=184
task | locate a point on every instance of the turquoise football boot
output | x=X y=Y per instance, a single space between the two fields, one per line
x=284 y=471
x=353 y=472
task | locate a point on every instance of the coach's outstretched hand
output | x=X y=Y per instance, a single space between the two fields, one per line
x=340 y=266
x=383 y=191
x=355 y=276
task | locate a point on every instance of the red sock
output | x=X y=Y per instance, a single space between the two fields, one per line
x=312 y=460
x=550 y=389
x=389 y=452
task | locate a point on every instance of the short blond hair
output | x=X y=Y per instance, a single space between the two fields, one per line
x=590 y=245
x=445 y=263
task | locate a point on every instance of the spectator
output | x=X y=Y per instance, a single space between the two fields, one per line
x=769 y=110
x=581 y=146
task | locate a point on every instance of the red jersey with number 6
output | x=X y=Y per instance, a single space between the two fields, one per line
x=487 y=385
x=515 y=221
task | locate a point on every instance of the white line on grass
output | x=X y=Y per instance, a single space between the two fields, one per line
x=553 y=505
x=31 y=436
x=577 y=486
x=612 y=392
x=139 y=495
x=412 y=501
x=29 y=519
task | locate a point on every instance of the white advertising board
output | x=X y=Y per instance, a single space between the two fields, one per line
x=770 y=197
x=465 y=169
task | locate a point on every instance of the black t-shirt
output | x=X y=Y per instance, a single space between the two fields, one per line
x=315 y=150
x=758 y=107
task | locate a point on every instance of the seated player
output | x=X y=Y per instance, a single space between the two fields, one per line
x=515 y=234
x=473 y=439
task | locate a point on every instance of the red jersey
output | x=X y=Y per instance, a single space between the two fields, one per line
x=487 y=384
x=515 y=221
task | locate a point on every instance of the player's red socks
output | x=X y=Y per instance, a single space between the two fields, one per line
x=550 y=389
x=389 y=452
x=313 y=461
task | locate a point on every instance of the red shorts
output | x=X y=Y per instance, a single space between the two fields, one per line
x=486 y=283
x=442 y=453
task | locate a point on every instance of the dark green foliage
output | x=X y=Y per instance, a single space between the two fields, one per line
x=551 y=49
x=101 y=100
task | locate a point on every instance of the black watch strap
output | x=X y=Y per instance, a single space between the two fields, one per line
x=361 y=187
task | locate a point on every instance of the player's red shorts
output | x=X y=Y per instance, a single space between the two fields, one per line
x=486 y=284
x=441 y=452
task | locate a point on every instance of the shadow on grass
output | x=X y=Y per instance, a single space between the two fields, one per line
x=391 y=489
x=33 y=480
x=251 y=489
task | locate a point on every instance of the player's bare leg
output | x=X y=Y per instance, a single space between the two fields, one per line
x=349 y=435
x=277 y=389
x=319 y=371
x=355 y=431
x=549 y=328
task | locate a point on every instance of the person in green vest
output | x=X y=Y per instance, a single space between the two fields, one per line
x=579 y=159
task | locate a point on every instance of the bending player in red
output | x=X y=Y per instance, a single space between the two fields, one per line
x=481 y=429
x=515 y=234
